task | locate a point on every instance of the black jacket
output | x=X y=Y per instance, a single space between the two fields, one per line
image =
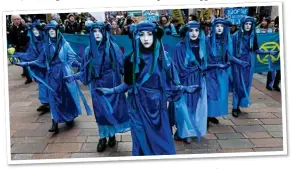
x=18 y=37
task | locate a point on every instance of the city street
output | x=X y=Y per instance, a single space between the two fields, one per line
x=259 y=128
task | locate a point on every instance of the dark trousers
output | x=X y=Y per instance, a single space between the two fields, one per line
x=277 y=79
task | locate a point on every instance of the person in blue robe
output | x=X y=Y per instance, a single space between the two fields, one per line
x=59 y=58
x=245 y=48
x=189 y=59
x=103 y=66
x=151 y=80
x=219 y=49
x=36 y=44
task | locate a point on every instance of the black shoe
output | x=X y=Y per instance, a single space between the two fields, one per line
x=235 y=112
x=269 y=88
x=187 y=140
x=277 y=89
x=55 y=127
x=101 y=145
x=42 y=108
x=213 y=120
x=28 y=81
x=70 y=123
x=23 y=75
x=111 y=142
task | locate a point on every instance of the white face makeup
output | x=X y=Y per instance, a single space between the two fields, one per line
x=193 y=33
x=146 y=38
x=219 y=28
x=52 y=33
x=97 y=34
x=248 y=26
x=35 y=32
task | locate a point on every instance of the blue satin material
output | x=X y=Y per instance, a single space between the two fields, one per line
x=111 y=112
x=191 y=121
x=36 y=46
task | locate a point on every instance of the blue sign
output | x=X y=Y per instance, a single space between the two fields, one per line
x=235 y=14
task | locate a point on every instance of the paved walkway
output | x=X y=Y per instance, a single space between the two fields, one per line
x=259 y=128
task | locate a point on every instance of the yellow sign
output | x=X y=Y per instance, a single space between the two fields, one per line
x=269 y=46
x=206 y=13
x=177 y=14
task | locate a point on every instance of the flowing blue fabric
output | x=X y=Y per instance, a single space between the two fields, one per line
x=102 y=65
x=189 y=59
x=219 y=49
x=63 y=97
x=243 y=45
x=36 y=45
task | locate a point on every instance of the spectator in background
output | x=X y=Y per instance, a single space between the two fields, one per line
x=276 y=22
x=169 y=28
x=272 y=26
x=233 y=29
x=71 y=26
x=19 y=40
x=176 y=24
x=128 y=21
x=83 y=29
x=115 y=29
x=263 y=26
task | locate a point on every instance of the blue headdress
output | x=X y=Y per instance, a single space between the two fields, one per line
x=190 y=56
x=241 y=33
x=158 y=46
x=226 y=37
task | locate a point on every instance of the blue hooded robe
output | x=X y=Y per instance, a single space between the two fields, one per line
x=188 y=62
x=36 y=45
x=102 y=67
x=150 y=80
x=219 y=49
x=244 y=48
x=58 y=58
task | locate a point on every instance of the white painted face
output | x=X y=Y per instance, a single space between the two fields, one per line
x=219 y=28
x=248 y=26
x=52 y=33
x=98 y=34
x=146 y=38
x=193 y=33
x=35 y=31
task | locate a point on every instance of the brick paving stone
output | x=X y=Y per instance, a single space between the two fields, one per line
x=24 y=119
x=270 y=142
x=85 y=125
x=124 y=146
x=88 y=132
x=271 y=121
x=209 y=136
x=89 y=148
x=21 y=104
x=276 y=134
x=228 y=136
x=126 y=138
x=63 y=148
x=204 y=144
x=273 y=127
x=52 y=156
x=92 y=139
x=220 y=129
x=234 y=150
x=79 y=139
x=30 y=133
x=268 y=149
x=198 y=151
x=31 y=140
x=12 y=132
x=179 y=145
x=256 y=116
x=120 y=154
x=28 y=148
x=270 y=110
x=246 y=121
x=69 y=133
x=90 y=155
x=86 y=118
x=235 y=143
x=279 y=115
x=256 y=135
x=29 y=126
x=22 y=157
x=254 y=128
